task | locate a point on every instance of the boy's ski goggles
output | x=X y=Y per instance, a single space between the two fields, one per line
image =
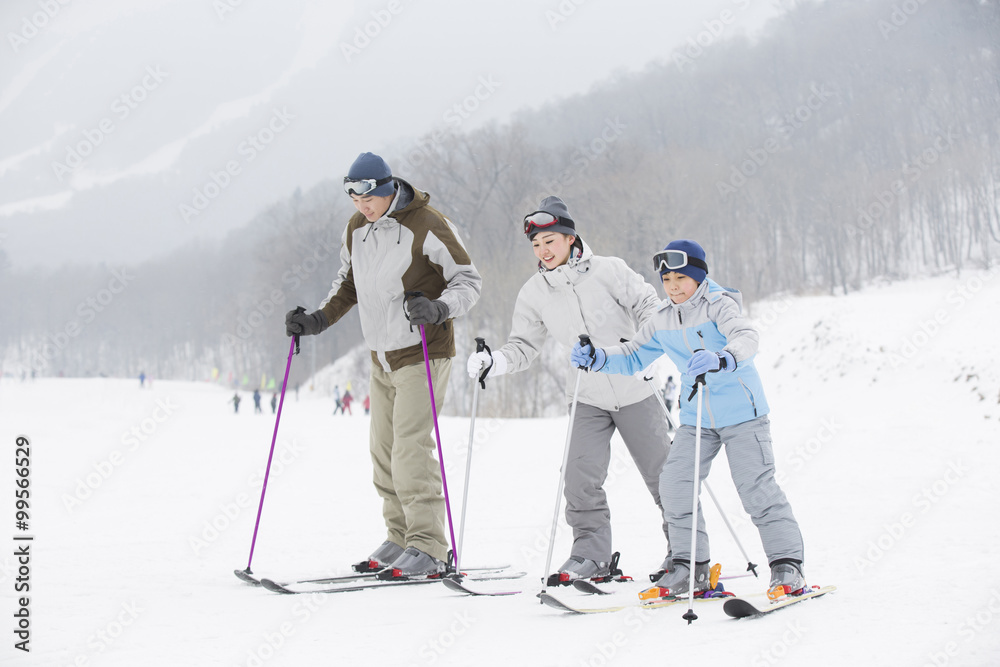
x=538 y=220
x=671 y=260
x=362 y=186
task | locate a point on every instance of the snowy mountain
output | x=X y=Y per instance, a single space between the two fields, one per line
x=129 y=128
x=885 y=415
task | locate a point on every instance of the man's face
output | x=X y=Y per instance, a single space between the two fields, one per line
x=373 y=208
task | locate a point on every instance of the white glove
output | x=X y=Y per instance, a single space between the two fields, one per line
x=495 y=363
x=477 y=362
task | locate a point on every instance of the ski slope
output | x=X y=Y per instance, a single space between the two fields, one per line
x=885 y=421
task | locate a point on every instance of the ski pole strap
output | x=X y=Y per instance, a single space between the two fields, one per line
x=698 y=380
x=406 y=312
x=481 y=346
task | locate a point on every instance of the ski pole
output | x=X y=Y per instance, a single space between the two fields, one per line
x=663 y=405
x=689 y=615
x=437 y=436
x=585 y=340
x=751 y=566
x=480 y=346
x=292 y=349
x=437 y=432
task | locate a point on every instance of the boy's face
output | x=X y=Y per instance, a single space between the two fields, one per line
x=552 y=248
x=373 y=208
x=678 y=286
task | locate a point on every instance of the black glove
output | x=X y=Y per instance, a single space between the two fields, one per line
x=424 y=311
x=299 y=323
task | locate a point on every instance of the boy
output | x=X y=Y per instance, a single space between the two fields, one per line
x=702 y=328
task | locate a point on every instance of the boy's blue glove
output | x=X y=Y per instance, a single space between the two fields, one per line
x=588 y=357
x=705 y=361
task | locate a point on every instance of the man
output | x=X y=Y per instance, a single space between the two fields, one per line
x=397 y=243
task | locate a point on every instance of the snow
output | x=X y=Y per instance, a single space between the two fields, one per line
x=885 y=419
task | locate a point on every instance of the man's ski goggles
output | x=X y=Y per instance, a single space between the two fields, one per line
x=538 y=220
x=671 y=260
x=362 y=186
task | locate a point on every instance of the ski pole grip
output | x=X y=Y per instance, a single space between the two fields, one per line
x=700 y=380
x=409 y=295
x=298 y=309
x=480 y=344
x=585 y=341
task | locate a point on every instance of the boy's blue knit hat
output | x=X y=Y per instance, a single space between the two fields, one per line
x=369 y=165
x=695 y=252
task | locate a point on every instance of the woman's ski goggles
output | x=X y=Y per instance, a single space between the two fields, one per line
x=671 y=260
x=538 y=220
x=362 y=186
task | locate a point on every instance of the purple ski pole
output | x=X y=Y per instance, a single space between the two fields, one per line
x=292 y=349
x=437 y=432
x=437 y=435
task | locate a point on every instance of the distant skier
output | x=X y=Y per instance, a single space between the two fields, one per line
x=257 y=410
x=669 y=391
x=367 y=403
x=142 y=379
x=274 y=403
x=703 y=330
x=338 y=406
x=574 y=286
x=235 y=400
x=345 y=403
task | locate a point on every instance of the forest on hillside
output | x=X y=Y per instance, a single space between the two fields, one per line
x=851 y=141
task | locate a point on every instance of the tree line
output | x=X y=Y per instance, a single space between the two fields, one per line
x=849 y=141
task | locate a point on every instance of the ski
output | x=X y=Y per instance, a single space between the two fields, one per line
x=587 y=586
x=740 y=608
x=358 y=576
x=554 y=602
x=459 y=587
x=248 y=577
x=592 y=588
x=297 y=587
x=275 y=587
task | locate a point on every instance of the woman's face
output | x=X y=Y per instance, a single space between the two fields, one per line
x=552 y=248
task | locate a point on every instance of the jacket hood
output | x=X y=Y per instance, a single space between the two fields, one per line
x=408 y=198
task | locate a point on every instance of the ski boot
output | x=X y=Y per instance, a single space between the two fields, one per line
x=414 y=564
x=380 y=559
x=786 y=579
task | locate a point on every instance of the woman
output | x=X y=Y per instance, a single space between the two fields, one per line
x=577 y=292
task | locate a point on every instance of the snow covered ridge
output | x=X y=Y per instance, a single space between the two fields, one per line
x=890 y=469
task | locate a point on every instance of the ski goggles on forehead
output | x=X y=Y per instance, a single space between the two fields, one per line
x=362 y=186
x=538 y=220
x=671 y=260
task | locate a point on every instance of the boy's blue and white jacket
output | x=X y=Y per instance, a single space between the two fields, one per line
x=712 y=319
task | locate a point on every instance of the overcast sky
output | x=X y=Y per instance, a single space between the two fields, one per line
x=120 y=120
